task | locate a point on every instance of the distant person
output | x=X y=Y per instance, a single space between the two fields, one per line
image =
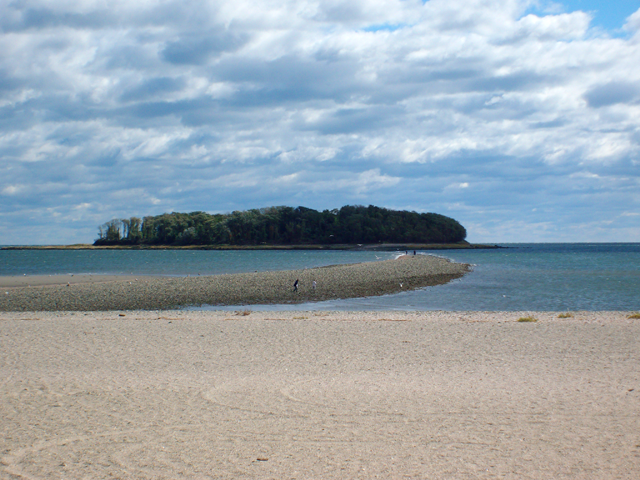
x=414 y=252
x=313 y=285
x=295 y=285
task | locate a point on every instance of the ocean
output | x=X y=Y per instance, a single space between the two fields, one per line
x=536 y=277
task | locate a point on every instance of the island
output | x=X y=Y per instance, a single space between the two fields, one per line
x=286 y=228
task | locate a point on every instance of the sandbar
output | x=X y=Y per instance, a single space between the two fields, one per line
x=16 y=281
x=83 y=293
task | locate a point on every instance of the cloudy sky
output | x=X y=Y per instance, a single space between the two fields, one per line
x=519 y=118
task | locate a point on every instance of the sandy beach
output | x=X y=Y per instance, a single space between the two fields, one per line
x=91 y=293
x=271 y=395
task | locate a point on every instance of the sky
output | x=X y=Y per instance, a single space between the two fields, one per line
x=518 y=118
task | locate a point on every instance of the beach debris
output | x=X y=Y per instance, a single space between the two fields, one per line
x=121 y=315
x=527 y=319
x=262 y=459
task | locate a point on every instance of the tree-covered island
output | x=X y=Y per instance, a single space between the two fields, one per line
x=284 y=226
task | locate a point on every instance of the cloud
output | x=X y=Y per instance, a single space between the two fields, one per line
x=25 y=16
x=198 y=49
x=153 y=87
x=12 y=189
x=483 y=110
x=633 y=22
x=612 y=93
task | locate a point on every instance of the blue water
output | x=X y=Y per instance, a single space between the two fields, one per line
x=172 y=262
x=565 y=277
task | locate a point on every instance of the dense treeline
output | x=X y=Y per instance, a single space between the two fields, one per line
x=284 y=226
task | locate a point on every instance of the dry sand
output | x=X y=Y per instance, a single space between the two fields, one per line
x=180 y=394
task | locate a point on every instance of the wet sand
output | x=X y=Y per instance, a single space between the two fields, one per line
x=93 y=293
x=14 y=281
x=272 y=395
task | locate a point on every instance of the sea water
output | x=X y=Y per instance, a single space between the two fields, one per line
x=173 y=262
x=537 y=277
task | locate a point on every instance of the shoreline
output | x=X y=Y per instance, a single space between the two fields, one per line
x=332 y=395
x=91 y=293
x=541 y=319
x=373 y=247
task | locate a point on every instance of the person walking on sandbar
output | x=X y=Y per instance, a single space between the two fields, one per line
x=295 y=285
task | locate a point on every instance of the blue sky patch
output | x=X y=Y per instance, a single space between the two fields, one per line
x=609 y=15
x=384 y=26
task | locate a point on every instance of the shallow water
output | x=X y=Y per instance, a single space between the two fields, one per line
x=173 y=262
x=526 y=277
x=519 y=277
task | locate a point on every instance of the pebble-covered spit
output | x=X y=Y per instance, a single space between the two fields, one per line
x=151 y=293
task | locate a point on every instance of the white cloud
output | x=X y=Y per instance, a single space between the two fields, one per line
x=12 y=189
x=633 y=22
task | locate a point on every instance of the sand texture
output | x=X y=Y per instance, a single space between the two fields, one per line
x=278 y=395
x=14 y=281
x=145 y=293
